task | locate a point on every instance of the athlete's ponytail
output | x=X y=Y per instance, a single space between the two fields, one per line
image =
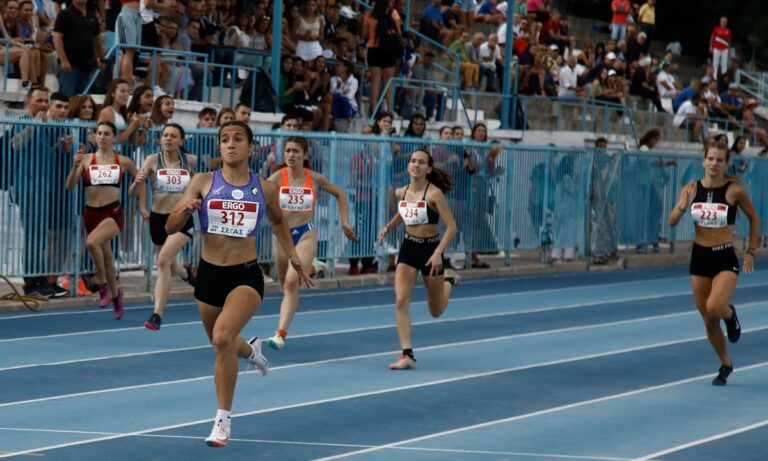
x=437 y=176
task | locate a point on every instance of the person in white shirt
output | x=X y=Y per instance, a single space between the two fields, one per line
x=344 y=89
x=490 y=56
x=665 y=82
x=689 y=118
x=568 y=87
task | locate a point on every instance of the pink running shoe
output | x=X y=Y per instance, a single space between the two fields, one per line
x=405 y=363
x=104 y=296
x=117 y=305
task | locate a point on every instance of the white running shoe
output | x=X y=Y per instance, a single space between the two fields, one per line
x=219 y=435
x=276 y=342
x=257 y=361
x=404 y=363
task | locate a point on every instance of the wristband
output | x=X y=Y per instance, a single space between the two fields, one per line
x=291 y=253
x=750 y=251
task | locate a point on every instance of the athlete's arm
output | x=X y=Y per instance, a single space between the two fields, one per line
x=190 y=201
x=280 y=229
x=323 y=183
x=683 y=203
x=77 y=168
x=743 y=200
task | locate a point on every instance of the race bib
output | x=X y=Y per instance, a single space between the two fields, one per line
x=413 y=213
x=296 y=198
x=710 y=214
x=232 y=217
x=172 y=180
x=104 y=174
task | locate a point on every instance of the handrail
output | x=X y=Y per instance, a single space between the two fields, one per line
x=422 y=85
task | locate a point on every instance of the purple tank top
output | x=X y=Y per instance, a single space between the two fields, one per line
x=232 y=210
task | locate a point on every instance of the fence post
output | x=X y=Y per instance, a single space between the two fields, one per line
x=336 y=239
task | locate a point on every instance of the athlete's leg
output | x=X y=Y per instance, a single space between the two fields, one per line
x=167 y=260
x=99 y=246
x=405 y=278
x=306 y=251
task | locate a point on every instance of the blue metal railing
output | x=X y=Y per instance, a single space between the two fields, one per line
x=415 y=92
x=754 y=85
x=526 y=197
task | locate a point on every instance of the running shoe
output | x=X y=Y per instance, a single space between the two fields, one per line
x=452 y=277
x=82 y=288
x=405 y=363
x=154 y=322
x=117 y=305
x=722 y=375
x=191 y=279
x=276 y=342
x=257 y=361
x=104 y=296
x=219 y=435
x=57 y=291
x=733 y=326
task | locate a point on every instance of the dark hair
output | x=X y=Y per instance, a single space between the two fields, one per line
x=301 y=141
x=409 y=133
x=436 y=176
x=77 y=102
x=288 y=117
x=650 y=134
x=239 y=124
x=599 y=141
x=736 y=141
x=109 y=99
x=32 y=90
x=110 y=125
x=206 y=111
x=381 y=115
x=174 y=125
x=474 y=129
x=59 y=96
x=241 y=104
x=156 y=116
x=223 y=111
x=133 y=106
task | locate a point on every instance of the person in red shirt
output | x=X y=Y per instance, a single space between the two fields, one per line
x=552 y=33
x=621 y=10
x=719 y=44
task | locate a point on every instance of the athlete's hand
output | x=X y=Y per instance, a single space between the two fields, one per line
x=78 y=158
x=435 y=263
x=141 y=177
x=191 y=206
x=382 y=235
x=349 y=232
x=299 y=268
x=749 y=263
x=686 y=196
x=144 y=214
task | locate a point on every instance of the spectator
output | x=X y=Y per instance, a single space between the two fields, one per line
x=114 y=110
x=431 y=23
x=665 y=82
x=128 y=28
x=620 y=18
x=554 y=33
x=75 y=38
x=538 y=8
x=344 y=91
x=83 y=108
x=382 y=31
x=141 y=105
x=187 y=36
x=731 y=103
x=636 y=47
x=641 y=84
x=709 y=75
x=319 y=92
x=163 y=108
x=470 y=71
x=18 y=54
x=488 y=13
x=647 y=18
x=719 y=46
x=225 y=116
x=738 y=165
x=568 y=79
x=432 y=97
x=750 y=123
x=649 y=186
x=690 y=118
x=686 y=94
x=309 y=33
x=490 y=58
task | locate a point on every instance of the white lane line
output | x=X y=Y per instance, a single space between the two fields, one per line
x=703 y=441
x=320 y=444
x=379 y=306
x=408 y=387
x=324 y=293
x=532 y=414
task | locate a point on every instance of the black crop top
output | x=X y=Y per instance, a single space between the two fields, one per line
x=433 y=217
x=711 y=209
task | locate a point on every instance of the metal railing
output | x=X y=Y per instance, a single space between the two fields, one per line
x=505 y=197
x=411 y=94
x=754 y=84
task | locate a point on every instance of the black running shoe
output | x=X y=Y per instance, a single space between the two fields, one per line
x=722 y=375
x=191 y=279
x=733 y=326
x=154 y=322
x=58 y=291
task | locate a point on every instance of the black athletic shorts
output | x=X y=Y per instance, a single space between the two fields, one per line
x=416 y=251
x=157 y=227
x=214 y=283
x=710 y=261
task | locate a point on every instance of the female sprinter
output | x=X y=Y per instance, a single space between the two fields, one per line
x=298 y=196
x=171 y=172
x=230 y=203
x=422 y=204
x=102 y=174
x=713 y=202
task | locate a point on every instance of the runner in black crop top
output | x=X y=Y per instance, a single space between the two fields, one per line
x=433 y=217
x=714 y=195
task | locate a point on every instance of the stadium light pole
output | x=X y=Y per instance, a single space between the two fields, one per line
x=506 y=96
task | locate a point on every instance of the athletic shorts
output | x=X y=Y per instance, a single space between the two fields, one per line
x=214 y=283
x=92 y=216
x=416 y=251
x=128 y=27
x=710 y=261
x=297 y=232
x=157 y=227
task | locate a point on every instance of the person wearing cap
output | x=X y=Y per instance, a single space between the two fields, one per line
x=665 y=81
x=719 y=44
